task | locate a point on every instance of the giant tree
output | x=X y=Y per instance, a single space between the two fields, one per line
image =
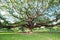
x=33 y=13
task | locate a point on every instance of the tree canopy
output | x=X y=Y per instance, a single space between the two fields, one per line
x=30 y=13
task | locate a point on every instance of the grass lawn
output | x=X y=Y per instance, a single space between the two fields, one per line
x=33 y=36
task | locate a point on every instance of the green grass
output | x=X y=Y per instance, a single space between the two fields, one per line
x=33 y=36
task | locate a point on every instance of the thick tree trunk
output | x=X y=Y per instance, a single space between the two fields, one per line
x=31 y=31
